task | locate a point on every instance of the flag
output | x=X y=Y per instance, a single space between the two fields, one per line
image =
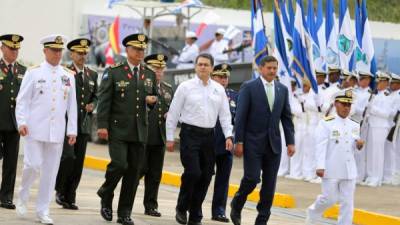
x=113 y=36
x=260 y=40
x=317 y=57
x=112 y=2
x=320 y=30
x=302 y=55
x=287 y=28
x=331 y=35
x=346 y=39
x=210 y=18
x=280 y=47
x=187 y=3
x=364 y=54
x=109 y=55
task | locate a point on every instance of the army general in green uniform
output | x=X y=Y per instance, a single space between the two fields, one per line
x=11 y=74
x=127 y=92
x=71 y=165
x=155 y=147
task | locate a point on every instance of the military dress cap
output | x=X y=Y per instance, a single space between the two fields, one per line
x=334 y=68
x=320 y=72
x=220 y=31
x=191 y=34
x=345 y=96
x=79 y=45
x=156 y=60
x=382 y=76
x=54 y=41
x=395 y=78
x=222 y=70
x=136 y=40
x=11 y=40
x=348 y=74
x=364 y=74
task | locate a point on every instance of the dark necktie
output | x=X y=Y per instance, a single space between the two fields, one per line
x=135 y=73
x=80 y=78
x=10 y=72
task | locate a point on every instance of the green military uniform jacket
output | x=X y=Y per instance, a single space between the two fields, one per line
x=86 y=93
x=156 y=116
x=9 y=89
x=122 y=107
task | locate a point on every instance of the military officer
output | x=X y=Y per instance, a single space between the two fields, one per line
x=126 y=91
x=223 y=157
x=363 y=95
x=155 y=147
x=337 y=137
x=349 y=79
x=11 y=74
x=188 y=53
x=378 y=113
x=395 y=139
x=217 y=46
x=72 y=158
x=328 y=107
x=321 y=77
x=46 y=97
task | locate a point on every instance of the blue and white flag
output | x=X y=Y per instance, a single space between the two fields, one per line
x=280 y=47
x=331 y=35
x=287 y=28
x=302 y=49
x=346 y=39
x=317 y=57
x=320 y=30
x=110 y=3
x=260 y=40
x=186 y=4
x=364 y=54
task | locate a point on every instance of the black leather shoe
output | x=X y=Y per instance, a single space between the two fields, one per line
x=106 y=211
x=220 y=218
x=235 y=215
x=71 y=206
x=60 y=199
x=181 y=216
x=125 y=221
x=193 y=223
x=152 y=212
x=8 y=204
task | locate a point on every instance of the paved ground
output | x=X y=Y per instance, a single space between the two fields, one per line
x=383 y=199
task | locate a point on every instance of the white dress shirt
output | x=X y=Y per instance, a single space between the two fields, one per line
x=46 y=95
x=335 y=146
x=199 y=105
x=265 y=83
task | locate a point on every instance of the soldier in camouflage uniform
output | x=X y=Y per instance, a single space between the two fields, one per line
x=11 y=74
x=126 y=93
x=155 y=147
x=71 y=165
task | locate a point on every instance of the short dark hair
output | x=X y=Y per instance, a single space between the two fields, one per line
x=207 y=56
x=267 y=59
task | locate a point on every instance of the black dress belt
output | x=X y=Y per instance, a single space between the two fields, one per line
x=196 y=129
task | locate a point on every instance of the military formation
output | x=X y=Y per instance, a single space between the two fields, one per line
x=354 y=120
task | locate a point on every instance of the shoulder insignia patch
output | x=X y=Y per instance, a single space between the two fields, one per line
x=116 y=65
x=167 y=84
x=329 y=118
x=69 y=71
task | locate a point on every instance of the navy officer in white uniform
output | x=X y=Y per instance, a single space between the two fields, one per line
x=46 y=96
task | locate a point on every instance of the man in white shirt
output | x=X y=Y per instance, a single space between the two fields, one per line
x=395 y=86
x=188 y=53
x=336 y=138
x=46 y=96
x=197 y=104
x=217 y=46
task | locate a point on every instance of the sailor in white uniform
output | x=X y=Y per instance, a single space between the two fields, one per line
x=46 y=96
x=189 y=52
x=337 y=138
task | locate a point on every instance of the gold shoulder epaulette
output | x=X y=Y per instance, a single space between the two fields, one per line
x=34 y=67
x=329 y=118
x=69 y=70
x=167 y=84
x=116 y=65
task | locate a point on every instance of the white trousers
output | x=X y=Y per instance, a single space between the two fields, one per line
x=375 y=150
x=284 y=164
x=389 y=162
x=361 y=157
x=296 y=161
x=308 y=149
x=396 y=151
x=40 y=158
x=333 y=191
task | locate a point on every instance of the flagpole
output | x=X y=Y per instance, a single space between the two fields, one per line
x=262 y=18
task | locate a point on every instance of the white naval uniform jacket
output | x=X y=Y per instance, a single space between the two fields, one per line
x=335 y=145
x=187 y=57
x=380 y=110
x=46 y=97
